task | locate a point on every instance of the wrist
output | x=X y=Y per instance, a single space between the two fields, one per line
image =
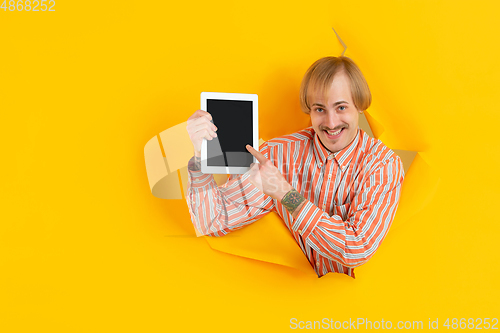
x=285 y=189
x=194 y=164
x=293 y=202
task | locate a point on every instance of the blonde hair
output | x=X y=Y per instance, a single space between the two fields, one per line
x=320 y=76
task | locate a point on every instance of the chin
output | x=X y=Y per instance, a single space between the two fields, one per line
x=334 y=149
x=337 y=146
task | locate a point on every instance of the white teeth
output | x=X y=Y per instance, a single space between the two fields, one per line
x=335 y=133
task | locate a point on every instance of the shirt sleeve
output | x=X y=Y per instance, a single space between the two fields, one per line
x=217 y=210
x=353 y=241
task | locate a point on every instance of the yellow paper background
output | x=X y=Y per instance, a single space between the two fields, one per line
x=84 y=246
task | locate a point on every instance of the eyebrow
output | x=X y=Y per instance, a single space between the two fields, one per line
x=334 y=104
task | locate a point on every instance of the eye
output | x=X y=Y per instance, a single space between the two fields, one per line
x=319 y=109
x=342 y=107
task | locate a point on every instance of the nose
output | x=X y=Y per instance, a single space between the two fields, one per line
x=332 y=120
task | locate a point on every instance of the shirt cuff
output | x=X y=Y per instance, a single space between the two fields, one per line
x=198 y=178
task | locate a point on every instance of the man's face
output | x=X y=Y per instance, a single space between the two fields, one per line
x=338 y=112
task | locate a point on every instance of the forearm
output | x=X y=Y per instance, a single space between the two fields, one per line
x=200 y=197
x=217 y=210
x=197 y=163
x=293 y=202
x=350 y=240
x=318 y=229
x=335 y=238
x=309 y=225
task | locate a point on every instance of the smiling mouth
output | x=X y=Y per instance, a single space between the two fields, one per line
x=334 y=134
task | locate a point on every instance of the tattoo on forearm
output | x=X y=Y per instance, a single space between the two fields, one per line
x=292 y=200
x=195 y=164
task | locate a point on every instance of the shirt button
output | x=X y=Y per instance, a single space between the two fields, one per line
x=329 y=176
x=324 y=207
x=300 y=231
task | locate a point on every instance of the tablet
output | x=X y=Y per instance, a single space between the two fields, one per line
x=236 y=118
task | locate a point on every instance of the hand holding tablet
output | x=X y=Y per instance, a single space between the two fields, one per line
x=200 y=126
x=235 y=116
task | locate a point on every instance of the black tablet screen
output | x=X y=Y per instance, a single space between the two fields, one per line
x=234 y=131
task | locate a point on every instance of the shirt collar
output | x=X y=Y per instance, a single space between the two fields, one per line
x=343 y=157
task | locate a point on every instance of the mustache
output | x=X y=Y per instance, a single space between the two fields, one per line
x=334 y=129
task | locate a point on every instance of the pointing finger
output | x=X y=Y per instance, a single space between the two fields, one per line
x=261 y=158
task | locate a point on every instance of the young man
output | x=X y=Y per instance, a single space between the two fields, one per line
x=336 y=189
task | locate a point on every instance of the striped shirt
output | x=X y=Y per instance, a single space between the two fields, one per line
x=351 y=198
